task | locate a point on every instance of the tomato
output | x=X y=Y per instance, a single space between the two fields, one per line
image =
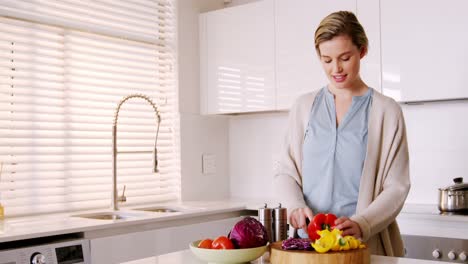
x=205 y=243
x=222 y=242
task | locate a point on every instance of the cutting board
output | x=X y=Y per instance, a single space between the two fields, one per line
x=354 y=256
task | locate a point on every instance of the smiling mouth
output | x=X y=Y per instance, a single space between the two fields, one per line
x=339 y=78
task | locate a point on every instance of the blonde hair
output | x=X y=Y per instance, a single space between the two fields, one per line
x=341 y=23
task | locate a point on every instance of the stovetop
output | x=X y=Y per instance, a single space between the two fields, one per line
x=432 y=210
x=462 y=213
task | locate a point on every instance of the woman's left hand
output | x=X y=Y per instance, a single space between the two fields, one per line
x=349 y=227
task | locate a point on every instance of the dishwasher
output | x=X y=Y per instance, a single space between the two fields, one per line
x=63 y=249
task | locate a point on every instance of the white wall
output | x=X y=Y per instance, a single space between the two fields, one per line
x=199 y=134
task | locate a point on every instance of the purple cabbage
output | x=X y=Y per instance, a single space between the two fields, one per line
x=248 y=233
x=296 y=243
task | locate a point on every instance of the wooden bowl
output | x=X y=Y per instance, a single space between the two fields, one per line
x=355 y=256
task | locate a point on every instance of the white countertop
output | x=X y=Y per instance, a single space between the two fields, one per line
x=186 y=257
x=421 y=220
x=426 y=220
x=12 y=229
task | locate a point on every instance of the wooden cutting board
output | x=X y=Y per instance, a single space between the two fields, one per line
x=354 y=256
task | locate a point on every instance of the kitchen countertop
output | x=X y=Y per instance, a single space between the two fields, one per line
x=13 y=229
x=426 y=220
x=186 y=257
x=421 y=220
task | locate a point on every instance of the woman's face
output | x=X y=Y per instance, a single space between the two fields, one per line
x=340 y=59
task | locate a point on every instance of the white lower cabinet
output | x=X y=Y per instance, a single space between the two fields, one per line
x=137 y=245
x=126 y=247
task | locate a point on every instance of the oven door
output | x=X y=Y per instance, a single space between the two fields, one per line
x=436 y=248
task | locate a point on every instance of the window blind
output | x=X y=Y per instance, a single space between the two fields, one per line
x=64 y=66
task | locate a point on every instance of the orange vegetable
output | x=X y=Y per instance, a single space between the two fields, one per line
x=222 y=242
x=205 y=243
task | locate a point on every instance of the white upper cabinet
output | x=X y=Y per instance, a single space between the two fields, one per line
x=368 y=15
x=424 y=49
x=298 y=68
x=237 y=59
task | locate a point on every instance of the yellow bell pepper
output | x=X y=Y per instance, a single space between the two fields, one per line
x=333 y=240
x=353 y=242
x=345 y=246
x=339 y=239
x=326 y=241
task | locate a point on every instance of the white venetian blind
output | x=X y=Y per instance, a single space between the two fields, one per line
x=64 y=66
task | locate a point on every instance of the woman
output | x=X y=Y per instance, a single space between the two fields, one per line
x=345 y=150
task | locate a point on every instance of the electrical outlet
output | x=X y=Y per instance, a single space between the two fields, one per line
x=208 y=163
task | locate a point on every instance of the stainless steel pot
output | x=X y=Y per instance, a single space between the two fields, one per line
x=454 y=198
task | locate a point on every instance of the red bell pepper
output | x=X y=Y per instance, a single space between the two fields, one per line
x=320 y=222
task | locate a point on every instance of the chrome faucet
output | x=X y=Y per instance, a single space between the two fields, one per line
x=114 y=202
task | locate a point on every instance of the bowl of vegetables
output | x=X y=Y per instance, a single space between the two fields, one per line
x=247 y=241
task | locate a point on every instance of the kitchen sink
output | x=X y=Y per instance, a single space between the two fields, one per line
x=110 y=215
x=160 y=209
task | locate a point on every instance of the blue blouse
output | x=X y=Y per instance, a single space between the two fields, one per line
x=333 y=157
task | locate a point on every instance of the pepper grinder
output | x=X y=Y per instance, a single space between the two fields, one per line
x=265 y=216
x=280 y=217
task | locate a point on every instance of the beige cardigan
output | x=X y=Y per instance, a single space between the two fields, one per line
x=385 y=179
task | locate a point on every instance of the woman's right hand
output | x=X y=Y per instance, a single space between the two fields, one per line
x=298 y=216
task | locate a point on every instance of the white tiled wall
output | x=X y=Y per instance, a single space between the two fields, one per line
x=204 y=135
x=438 y=143
x=254 y=144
